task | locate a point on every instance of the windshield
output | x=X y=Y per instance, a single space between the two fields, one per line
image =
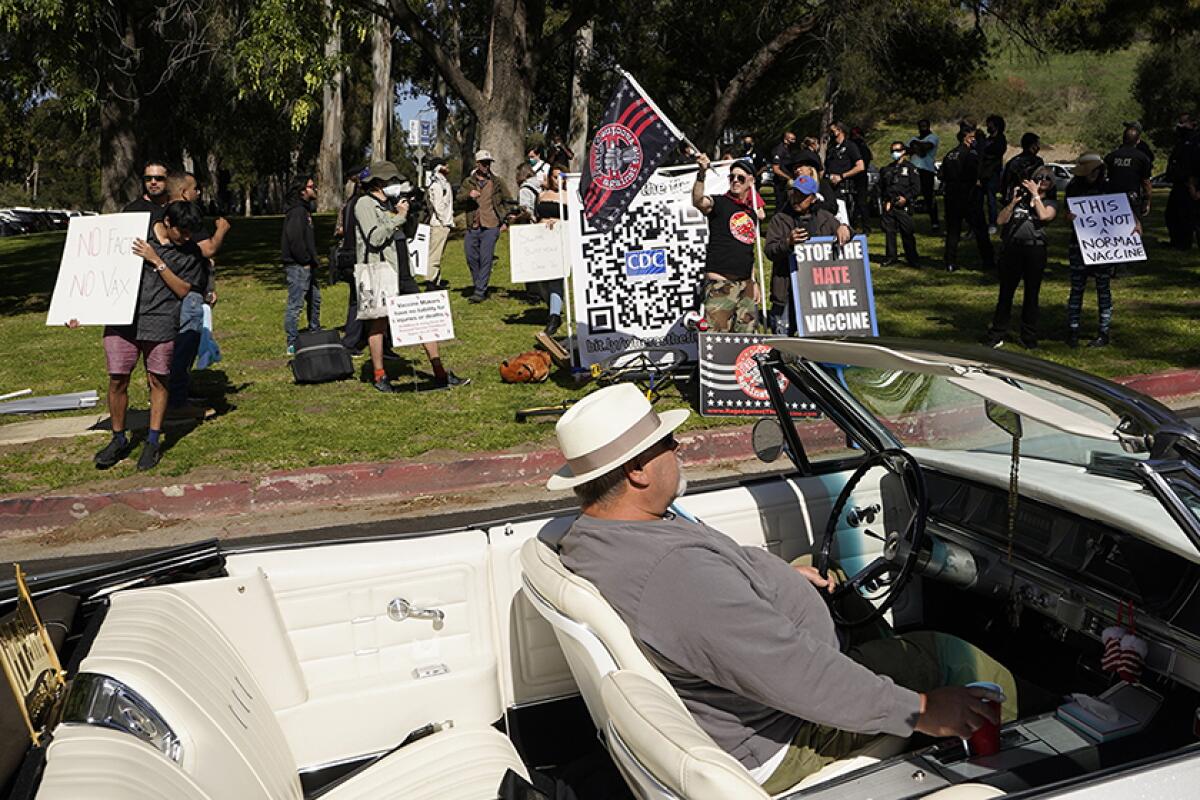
x=930 y=411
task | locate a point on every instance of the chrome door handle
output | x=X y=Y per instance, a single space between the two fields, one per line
x=400 y=609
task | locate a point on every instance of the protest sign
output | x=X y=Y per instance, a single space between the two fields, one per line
x=418 y=252
x=1105 y=226
x=730 y=380
x=635 y=284
x=99 y=276
x=831 y=288
x=420 y=318
x=537 y=252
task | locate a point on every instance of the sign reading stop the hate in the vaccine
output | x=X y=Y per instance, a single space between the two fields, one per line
x=1105 y=226
x=831 y=288
x=420 y=318
x=99 y=275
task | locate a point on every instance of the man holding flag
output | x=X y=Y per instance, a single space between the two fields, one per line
x=634 y=137
x=731 y=294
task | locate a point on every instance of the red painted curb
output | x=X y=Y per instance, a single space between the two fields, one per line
x=1173 y=383
x=403 y=480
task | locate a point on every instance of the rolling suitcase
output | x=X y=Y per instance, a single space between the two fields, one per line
x=320 y=357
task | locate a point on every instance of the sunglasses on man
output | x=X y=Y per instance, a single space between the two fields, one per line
x=148 y=178
x=738 y=178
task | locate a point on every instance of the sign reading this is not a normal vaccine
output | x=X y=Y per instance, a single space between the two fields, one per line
x=1106 y=229
x=831 y=288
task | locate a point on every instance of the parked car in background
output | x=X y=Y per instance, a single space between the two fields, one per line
x=1062 y=174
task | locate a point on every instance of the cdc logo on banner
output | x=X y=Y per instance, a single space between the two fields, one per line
x=648 y=264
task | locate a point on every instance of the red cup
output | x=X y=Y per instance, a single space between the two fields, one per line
x=985 y=741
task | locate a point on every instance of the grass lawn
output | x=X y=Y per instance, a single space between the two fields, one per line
x=266 y=422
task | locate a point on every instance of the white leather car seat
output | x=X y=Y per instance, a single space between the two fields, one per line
x=596 y=641
x=161 y=645
x=593 y=637
x=662 y=752
x=104 y=764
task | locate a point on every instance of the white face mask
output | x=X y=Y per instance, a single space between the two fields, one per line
x=393 y=190
x=896 y=156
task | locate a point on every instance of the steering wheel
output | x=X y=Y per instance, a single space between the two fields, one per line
x=900 y=549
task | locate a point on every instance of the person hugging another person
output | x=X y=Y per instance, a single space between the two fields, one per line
x=1024 y=220
x=382 y=268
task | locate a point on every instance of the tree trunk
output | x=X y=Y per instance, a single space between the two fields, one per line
x=381 y=96
x=329 y=160
x=509 y=88
x=577 y=130
x=833 y=87
x=247 y=208
x=118 y=155
x=212 y=183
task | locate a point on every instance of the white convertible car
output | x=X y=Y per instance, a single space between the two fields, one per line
x=1046 y=515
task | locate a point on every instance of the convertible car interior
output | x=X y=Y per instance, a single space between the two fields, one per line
x=1027 y=508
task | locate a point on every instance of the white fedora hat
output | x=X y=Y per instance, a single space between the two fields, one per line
x=606 y=429
x=483 y=155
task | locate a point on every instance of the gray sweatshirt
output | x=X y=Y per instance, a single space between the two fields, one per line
x=746 y=641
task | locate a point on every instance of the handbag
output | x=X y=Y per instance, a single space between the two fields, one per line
x=320 y=357
x=375 y=281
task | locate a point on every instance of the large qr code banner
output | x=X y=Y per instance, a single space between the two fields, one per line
x=634 y=285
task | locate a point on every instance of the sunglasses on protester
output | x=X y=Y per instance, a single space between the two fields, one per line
x=148 y=178
x=738 y=178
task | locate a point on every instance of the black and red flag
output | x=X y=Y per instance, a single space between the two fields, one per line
x=633 y=139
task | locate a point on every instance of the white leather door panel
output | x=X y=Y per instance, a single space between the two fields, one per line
x=532 y=665
x=360 y=667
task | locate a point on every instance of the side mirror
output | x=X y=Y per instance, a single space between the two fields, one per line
x=767 y=440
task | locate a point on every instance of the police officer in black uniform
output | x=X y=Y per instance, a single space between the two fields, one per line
x=1021 y=166
x=843 y=162
x=1129 y=171
x=781 y=159
x=862 y=207
x=1181 y=210
x=964 y=199
x=899 y=186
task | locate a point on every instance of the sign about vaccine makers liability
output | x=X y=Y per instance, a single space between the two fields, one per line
x=1107 y=229
x=831 y=288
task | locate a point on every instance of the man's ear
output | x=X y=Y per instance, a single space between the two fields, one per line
x=635 y=472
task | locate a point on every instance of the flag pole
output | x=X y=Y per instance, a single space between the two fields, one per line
x=569 y=274
x=758 y=247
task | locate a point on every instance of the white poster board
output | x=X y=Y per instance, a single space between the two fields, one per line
x=99 y=276
x=1105 y=224
x=418 y=252
x=537 y=252
x=419 y=318
x=635 y=285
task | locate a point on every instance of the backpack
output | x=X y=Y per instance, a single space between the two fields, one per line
x=320 y=357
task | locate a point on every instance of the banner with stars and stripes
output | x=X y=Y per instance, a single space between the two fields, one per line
x=730 y=384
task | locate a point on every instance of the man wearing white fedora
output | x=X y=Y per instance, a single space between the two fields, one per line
x=744 y=637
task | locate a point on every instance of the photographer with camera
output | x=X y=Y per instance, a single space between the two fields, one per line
x=1020 y=167
x=1023 y=234
x=382 y=271
x=485 y=195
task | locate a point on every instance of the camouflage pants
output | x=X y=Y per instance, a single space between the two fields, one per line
x=729 y=306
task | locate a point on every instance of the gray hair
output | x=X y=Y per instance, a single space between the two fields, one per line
x=602 y=490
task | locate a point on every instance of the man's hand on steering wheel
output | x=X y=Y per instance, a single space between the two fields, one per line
x=828 y=583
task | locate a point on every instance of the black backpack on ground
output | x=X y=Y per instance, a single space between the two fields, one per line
x=320 y=357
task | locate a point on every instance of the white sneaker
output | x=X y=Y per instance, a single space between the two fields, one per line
x=991 y=230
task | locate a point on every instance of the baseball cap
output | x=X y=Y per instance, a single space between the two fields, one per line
x=805 y=185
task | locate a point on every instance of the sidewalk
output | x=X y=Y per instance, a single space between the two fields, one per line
x=350 y=484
